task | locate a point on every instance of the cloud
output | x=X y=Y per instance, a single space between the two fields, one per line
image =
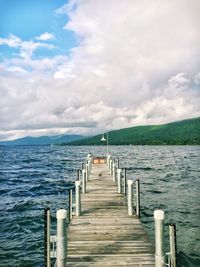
x=179 y=79
x=67 y=8
x=17 y=70
x=197 y=78
x=45 y=37
x=11 y=41
x=26 y=48
x=137 y=63
x=65 y=70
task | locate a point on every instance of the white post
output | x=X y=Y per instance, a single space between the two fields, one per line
x=159 y=238
x=172 y=243
x=90 y=165
x=70 y=204
x=119 y=182
x=114 y=173
x=108 y=159
x=110 y=166
x=61 y=239
x=125 y=181
x=117 y=163
x=130 y=197
x=88 y=162
x=108 y=162
x=87 y=172
x=138 y=197
x=89 y=156
x=83 y=182
x=78 y=198
x=83 y=166
x=78 y=174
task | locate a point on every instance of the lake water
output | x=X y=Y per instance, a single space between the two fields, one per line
x=32 y=178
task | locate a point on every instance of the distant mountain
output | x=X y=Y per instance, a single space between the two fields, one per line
x=43 y=140
x=185 y=132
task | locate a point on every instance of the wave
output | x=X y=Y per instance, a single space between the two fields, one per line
x=140 y=168
x=184 y=260
x=36 y=177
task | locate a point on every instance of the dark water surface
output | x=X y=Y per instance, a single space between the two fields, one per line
x=32 y=178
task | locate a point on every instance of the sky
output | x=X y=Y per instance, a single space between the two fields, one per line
x=91 y=66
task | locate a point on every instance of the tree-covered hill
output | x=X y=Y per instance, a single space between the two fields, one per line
x=42 y=140
x=185 y=132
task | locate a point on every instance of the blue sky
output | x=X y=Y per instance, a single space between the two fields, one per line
x=28 y=19
x=90 y=66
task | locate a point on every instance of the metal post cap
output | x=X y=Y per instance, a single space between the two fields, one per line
x=61 y=214
x=130 y=181
x=159 y=214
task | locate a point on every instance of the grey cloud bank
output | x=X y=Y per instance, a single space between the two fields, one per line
x=137 y=63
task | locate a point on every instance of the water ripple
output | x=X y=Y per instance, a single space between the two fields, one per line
x=32 y=178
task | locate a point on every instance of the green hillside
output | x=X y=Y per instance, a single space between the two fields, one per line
x=186 y=132
x=42 y=140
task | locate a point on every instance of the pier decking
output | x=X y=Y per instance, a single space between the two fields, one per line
x=104 y=234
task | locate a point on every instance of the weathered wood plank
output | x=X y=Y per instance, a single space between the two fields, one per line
x=104 y=234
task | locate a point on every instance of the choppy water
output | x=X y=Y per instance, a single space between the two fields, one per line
x=32 y=178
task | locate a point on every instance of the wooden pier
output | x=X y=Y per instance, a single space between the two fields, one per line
x=104 y=234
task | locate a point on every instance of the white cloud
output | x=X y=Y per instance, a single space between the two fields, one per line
x=137 y=63
x=70 y=6
x=26 y=48
x=12 y=41
x=17 y=70
x=179 y=79
x=65 y=70
x=45 y=37
x=197 y=78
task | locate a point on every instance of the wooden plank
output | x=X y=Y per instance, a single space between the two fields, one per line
x=104 y=234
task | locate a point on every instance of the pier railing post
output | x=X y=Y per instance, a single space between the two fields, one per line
x=87 y=172
x=83 y=181
x=90 y=164
x=47 y=234
x=114 y=172
x=108 y=160
x=172 y=243
x=125 y=182
x=78 y=174
x=110 y=166
x=130 y=197
x=70 y=197
x=89 y=156
x=138 y=197
x=61 y=238
x=119 y=180
x=78 y=198
x=117 y=163
x=159 y=238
